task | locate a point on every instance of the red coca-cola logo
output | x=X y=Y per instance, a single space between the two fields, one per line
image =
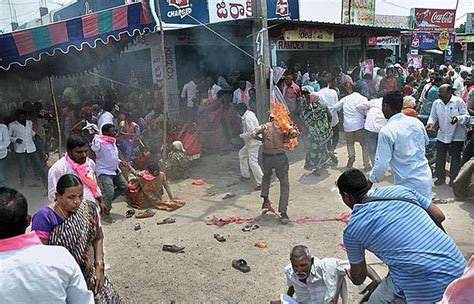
x=445 y=18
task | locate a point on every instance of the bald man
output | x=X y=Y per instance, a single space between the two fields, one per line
x=315 y=280
x=450 y=113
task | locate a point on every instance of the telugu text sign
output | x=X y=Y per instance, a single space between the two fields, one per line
x=224 y=10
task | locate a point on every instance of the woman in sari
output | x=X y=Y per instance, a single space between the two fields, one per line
x=74 y=224
x=318 y=121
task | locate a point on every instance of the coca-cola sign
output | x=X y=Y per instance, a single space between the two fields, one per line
x=433 y=20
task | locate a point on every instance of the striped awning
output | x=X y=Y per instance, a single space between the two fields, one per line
x=114 y=26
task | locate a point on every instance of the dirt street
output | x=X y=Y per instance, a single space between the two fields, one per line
x=143 y=273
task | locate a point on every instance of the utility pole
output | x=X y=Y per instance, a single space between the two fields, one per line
x=261 y=69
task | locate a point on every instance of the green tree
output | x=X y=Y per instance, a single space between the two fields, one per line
x=461 y=28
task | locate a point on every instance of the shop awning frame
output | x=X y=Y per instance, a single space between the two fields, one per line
x=20 y=48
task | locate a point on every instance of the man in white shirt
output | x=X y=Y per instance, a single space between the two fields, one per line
x=21 y=134
x=4 y=143
x=374 y=121
x=76 y=162
x=354 y=125
x=329 y=98
x=111 y=181
x=451 y=115
x=401 y=146
x=378 y=79
x=248 y=155
x=458 y=84
x=31 y=272
x=189 y=94
x=241 y=94
x=107 y=116
x=318 y=281
x=212 y=90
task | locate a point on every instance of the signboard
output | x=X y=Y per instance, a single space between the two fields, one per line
x=360 y=12
x=415 y=61
x=448 y=54
x=309 y=35
x=429 y=41
x=433 y=20
x=367 y=67
x=403 y=22
x=443 y=40
x=283 y=9
x=223 y=10
x=178 y=11
x=212 y=11
x=465 y=39
x=383 y=41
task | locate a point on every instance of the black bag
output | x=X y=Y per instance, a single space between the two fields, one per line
x=376 y=198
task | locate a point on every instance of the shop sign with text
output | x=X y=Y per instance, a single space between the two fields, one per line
x=361 y=12
x=403 y=22
x=308 y=35
x=179 y=11
x=383 y=41
x=433 y=20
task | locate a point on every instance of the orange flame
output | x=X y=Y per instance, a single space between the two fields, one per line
x=282 y=117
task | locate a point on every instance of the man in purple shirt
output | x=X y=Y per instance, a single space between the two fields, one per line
x=111 y=181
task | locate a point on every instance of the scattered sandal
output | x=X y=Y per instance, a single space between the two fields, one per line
x=173 y=248
x=137 y=227
x=219 y=237
x=248 y=228
x=261 y=245
x=167 y=220
x=241 y=265
x=130 y=213
x=145 y=214
x=228 y=195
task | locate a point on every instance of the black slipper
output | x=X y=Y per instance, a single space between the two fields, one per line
x=130 y=213
x=173 y=248
x=219 y=237
x=241 y=265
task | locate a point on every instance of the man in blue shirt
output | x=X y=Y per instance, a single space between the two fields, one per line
x=401 y=145
x=393 y=223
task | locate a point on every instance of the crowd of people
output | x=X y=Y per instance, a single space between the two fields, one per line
x=115 y=148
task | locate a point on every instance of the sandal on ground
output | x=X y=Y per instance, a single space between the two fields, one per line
x=241 y=265
x=137 y=227
x=145 y=214
x=219 y=237
x=173 y=248
x=248 y=228
x=130 y=213
x=167 y=220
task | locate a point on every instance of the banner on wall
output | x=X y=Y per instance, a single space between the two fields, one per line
x=433 y=19
x=359 y=12
x=383 y=41
x=178 y=11
x=431 y=41
x=403 y=22
x=415 y=61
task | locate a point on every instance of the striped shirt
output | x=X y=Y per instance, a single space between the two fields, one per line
x=422 y=259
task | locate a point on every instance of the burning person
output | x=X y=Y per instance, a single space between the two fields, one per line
x=277 y=135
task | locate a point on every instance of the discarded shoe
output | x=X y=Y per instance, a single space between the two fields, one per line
x=130 y=213
x=241 y=265
x=137 y=227
x=219 y=237
x=261 y=245
x=173 y=248
x=167 y=220
x=228 y=195
x=248 y=228
x=145 y=214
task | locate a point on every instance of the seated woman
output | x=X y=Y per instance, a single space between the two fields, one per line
x=73 y=223
x=145 y=190
x=177 y=164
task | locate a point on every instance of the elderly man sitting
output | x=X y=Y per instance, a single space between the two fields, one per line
x=316 y=280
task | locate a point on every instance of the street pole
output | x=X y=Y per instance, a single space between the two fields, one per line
x=165 y=83
x=261 y=71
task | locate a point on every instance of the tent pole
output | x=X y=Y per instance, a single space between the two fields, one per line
x=164 y=83
x=58 y=125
